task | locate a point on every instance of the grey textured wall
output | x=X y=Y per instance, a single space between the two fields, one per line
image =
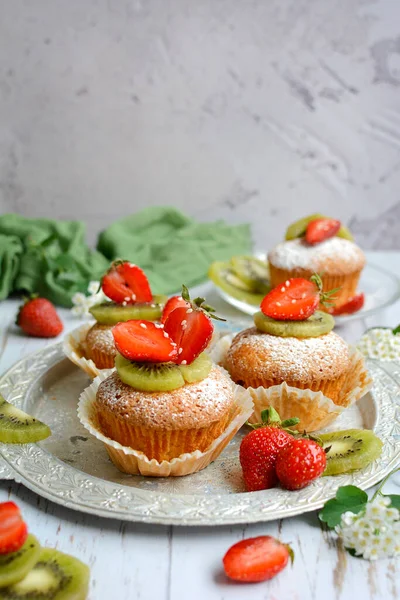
x=258 y=110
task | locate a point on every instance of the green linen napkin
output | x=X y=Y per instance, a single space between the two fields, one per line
x=51 y=258
x=172 y=248
x=10 y=254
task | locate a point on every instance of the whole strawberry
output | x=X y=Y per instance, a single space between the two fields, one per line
x=38 y=317
x=259 y=451
x=299 y=463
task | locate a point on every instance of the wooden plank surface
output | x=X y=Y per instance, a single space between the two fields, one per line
x=146 y=562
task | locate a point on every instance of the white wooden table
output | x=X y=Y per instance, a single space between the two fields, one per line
x=146 y=562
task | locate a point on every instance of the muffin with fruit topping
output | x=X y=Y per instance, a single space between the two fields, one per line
x=166 y=400
x=317 y=244
x=126 y=285
x=293 y=361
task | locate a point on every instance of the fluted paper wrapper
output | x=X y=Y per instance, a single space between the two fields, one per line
x=314 y=410
x=220 y=349
x=72 y=347
x=131 y=461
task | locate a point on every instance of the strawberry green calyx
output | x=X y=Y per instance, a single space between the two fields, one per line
x=291 y=553
x=325 y=297
x=200 y=303
x=270 y=417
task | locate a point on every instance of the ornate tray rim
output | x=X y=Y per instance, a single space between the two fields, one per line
x=61 y=483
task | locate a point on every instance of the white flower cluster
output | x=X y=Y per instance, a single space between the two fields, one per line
x=82 y=303
x=373 y=533
x=380 y=343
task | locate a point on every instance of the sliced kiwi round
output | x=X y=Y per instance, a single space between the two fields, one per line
x=17 y=427
x=298 y=228
x=149 y=377
x=162 y=377
x=197 y=370
x=109 y=313
x=16 y=565
x=253 y=272
x=318 y=324
x=55 y=575
x=224 y=277
x=349 y=450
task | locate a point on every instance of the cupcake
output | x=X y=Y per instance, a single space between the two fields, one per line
x=323 y=246
x=293 y=361
x=164 y=425
x=126 y=285
x=166 y=410
x=98 y=346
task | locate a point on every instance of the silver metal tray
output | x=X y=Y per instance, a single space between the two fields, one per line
x=72 y=469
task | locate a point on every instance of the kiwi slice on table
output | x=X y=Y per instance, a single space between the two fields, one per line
x=109 y=313
x=17 y=427
x=349 y=450
x=318 y=324
x=16 y=565
x=224 y=277
x=55 y=576
x=253 y=272
x=298 y=228
x=161 y=377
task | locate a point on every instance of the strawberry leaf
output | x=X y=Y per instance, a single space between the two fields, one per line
x=291 y=553
x=348 y=498
x=270 y=415
x=290 y=422
x=200 y=303
x=185 y=293
x=394 y=499
x=396 y=330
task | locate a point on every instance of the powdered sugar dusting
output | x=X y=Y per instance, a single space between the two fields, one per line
x=193 y=405
x=100 y=338
x=257 y=354
x=330 y=256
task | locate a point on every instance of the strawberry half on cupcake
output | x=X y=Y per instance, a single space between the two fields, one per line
x=126 y=286
x=166 y=410
x=293 y=361
x=318 y=244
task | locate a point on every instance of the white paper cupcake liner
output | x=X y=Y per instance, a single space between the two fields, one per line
x=72 y=347
x=131 y=461
x=220 y=349
x=314 y=409
x=359 y=381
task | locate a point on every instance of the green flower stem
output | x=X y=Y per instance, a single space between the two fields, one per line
x=379 y=490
